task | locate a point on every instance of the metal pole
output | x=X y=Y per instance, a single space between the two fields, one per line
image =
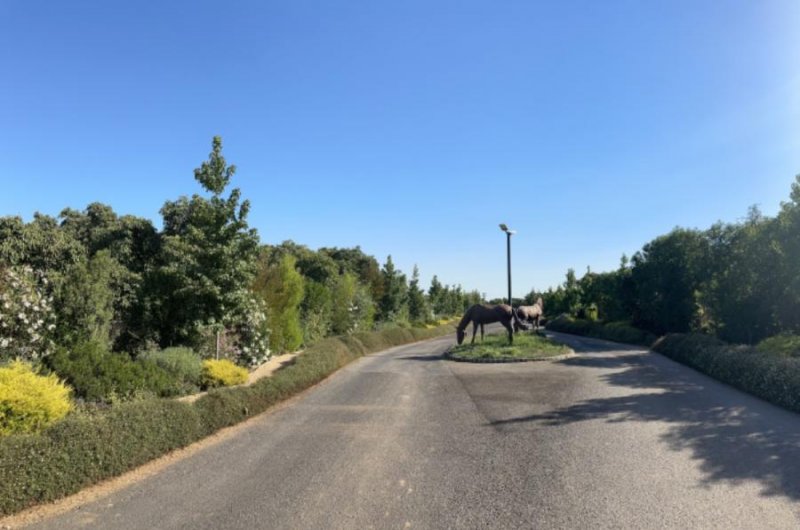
x=508 y=253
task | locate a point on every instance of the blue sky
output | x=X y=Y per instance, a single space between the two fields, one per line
x=412 y=128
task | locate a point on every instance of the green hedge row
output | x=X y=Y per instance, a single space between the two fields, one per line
x=770 y=377
x=770 y=371
x=84 y=449
x=615 y=331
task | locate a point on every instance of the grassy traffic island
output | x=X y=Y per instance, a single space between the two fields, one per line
x=496 y=349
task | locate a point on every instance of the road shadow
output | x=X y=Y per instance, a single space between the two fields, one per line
x=735 y=437
x=439 y=357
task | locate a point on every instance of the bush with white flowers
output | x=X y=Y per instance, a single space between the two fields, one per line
x=250 y=329
x=26 y=315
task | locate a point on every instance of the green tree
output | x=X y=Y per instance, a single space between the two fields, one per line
x=572 y=293
x=39 y=244
x=352 y=306
x=315 y=266
x=208 y=258
x=670 y=274
x=365 y=267
x=317 y=311
x=134 y=244
x=393 y=305
x=785 y=271
x=436 y=297
x=282 y=289
x=418 y=309
x=84 y=301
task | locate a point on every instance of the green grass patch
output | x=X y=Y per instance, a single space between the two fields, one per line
x=495 y=348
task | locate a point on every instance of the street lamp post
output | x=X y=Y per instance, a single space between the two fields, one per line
x=509 y=233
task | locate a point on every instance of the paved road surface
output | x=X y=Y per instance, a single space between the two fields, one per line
x=614 y=437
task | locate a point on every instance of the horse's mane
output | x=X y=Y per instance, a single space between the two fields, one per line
x=465 y=319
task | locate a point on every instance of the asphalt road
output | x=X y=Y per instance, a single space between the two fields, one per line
x=615 y=437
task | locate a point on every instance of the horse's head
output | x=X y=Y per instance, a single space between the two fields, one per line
x=460 y=335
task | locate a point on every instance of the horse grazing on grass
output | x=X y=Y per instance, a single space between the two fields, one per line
x=530 y=313
x=481 y=314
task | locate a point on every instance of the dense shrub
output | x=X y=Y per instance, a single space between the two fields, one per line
x=98 y=375
x=222 y=372
x=26 y=315
x=785 y=344
x=28 y=401
x=775 y=379
x=614 y=331
x=81 y=449
x=183 y=364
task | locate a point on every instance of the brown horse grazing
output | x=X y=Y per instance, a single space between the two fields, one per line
x=530 y=313
x=481 y=314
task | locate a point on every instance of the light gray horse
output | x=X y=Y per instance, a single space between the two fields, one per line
x=530 y=313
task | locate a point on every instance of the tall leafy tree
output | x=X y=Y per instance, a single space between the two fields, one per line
x=208 y=257
x=352 y=306
x=85 y=299
x=670 y=272
x=282 y=288
x=787 y=270
x=436 y=297
x=364 y=266
x=316 y=310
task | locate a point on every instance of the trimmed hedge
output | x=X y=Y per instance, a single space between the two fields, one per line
x=614 y=331
x=82 y=449
x=770 y=377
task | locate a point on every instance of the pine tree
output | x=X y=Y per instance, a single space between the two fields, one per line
x=394 y=302
x=418 y=310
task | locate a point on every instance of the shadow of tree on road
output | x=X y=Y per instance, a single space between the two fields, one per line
x=439 y=357
x=735 y=437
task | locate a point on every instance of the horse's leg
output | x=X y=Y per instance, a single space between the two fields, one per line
x=481 y=331
x=507 y=324
x=474 y=330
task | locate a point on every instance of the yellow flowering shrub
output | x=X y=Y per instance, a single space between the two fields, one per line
x=28 y=401
x=222 y=373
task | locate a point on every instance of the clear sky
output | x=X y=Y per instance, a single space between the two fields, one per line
x=412 y=128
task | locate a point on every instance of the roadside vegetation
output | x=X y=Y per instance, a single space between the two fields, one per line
x=495 y=348
x=774 y=377
x=725 y=301
x=739 y=282
x=120 y=310
x=614 y=331
x=91 y=445
x=104 y=319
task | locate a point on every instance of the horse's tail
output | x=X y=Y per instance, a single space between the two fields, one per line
x=465 y=319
